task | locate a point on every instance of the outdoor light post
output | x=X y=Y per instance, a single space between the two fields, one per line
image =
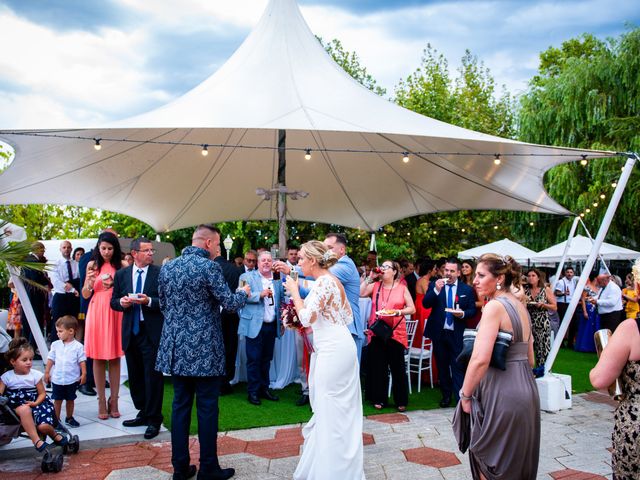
x=228 y=243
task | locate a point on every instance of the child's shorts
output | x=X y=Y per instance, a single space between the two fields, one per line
x=64 y=392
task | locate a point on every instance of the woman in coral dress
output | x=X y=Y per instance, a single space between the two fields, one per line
x=103 y=333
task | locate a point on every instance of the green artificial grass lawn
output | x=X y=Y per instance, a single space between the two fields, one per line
x=236 y=413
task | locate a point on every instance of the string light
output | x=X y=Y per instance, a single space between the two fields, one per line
x=435 y=233
x=495 y=227
x=204 y=152
x=588 y=210
x=463 y=230
x=583 y=162
x=582 y=215
x=595 y=204
x=275 y=147
x=603 y=196
x=405 y=157
x=408 y=234
x=97 y=145
x=496 y=159
x=614 y=184
x=531 y=224
x=307 y=154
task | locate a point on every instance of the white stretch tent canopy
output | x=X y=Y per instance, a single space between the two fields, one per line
x=579 y=251
x=150 y=166
x=520 y=253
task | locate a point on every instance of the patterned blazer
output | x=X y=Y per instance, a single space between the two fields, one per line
x=191 y=290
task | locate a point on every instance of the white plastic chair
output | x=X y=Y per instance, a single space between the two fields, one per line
x=420 y=360
x=411 y=332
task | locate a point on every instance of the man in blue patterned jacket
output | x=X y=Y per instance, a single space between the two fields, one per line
x=192 y=289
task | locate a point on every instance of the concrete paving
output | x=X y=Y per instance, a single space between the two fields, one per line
x=418 y=444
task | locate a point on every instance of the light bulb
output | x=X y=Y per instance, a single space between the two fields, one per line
x=583 y=162
x=603 y=196
x=582 y=215
x=595 y=204
x=497 y=160
x=495 y=227
x=307 y=154
x=614 y=184
x=204 y=152
x=588 y=210
x=405 y=157
x=97 y=146
x=531 y=224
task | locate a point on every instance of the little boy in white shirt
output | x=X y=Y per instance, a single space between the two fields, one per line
x=68 y=361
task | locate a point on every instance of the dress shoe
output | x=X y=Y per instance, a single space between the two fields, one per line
x=303 y=400
x=151 y=432
x=87 y=390
x=254 y=399
x=186 y=474
x=269 y=396
x=135 y=422
x=221 y=474
x=445 y=402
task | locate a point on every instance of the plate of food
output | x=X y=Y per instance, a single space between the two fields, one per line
x=387 y=313
x=453 y=310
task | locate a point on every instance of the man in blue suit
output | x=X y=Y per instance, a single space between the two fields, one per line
x=445 y=328
x=191 y=291
x=260 y=325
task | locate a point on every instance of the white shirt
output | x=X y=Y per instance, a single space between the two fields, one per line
x=454 y=292
x=134 y=280
x=60 y=275
x=269 y=310
x=15 y=381
x=610 y=298
x=563 y=285
x=66 y=358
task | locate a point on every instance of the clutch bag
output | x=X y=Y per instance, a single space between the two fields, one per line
x=500 y=348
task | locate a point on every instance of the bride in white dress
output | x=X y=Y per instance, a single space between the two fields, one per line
x=333 y=437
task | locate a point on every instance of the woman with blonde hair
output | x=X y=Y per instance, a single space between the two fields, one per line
x=333 y=437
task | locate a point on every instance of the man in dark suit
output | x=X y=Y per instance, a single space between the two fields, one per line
x=141 y=330
x=230 y=321
x=445 y=328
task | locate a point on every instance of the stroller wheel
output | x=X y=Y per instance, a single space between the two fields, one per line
x=45 y=464
x=65 y=448
x=56 y=465
x=74 y=444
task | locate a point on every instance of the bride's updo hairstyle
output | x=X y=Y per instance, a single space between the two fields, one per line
x=320 y=253
x=507 y=266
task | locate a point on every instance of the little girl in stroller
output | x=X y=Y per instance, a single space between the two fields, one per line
x=26 y=395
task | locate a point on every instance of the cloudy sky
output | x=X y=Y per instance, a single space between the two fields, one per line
x=80 y=62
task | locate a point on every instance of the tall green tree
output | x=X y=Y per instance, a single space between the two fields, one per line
x=587 y=95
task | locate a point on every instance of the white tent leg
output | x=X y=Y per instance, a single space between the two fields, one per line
x=28 y=309
x=567 y=245
x=602 y=233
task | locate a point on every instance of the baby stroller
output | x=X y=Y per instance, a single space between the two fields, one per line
x=10 y=428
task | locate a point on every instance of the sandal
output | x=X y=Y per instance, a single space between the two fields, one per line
x=378 y=406
x=43 y=445
x=63 y=440
x=103 y=412
x=113 y=412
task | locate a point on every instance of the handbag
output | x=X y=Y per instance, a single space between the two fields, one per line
x=498 y=355
x=380 y=328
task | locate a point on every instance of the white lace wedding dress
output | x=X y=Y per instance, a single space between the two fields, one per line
x=333 y=437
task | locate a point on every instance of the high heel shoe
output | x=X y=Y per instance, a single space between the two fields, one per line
x=103 y=412
x=111 y=410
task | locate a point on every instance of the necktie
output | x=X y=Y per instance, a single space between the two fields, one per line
x=69 y=271
x=137 y=308
x=449 y=315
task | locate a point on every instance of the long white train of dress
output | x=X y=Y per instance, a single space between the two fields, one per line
x=332 y=447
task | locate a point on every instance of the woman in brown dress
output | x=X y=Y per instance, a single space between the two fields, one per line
x=504 y=405
x=621 y=356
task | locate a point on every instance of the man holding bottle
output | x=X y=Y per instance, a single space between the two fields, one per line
x=260 y=325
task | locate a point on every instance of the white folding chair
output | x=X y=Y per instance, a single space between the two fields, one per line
x=411 y=332
x=420 y=360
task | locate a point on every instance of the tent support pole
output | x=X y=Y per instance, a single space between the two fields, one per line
x=599 y=254
x=595 y=249
x=282 y=195
x=25 y=303
x=567 y=245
